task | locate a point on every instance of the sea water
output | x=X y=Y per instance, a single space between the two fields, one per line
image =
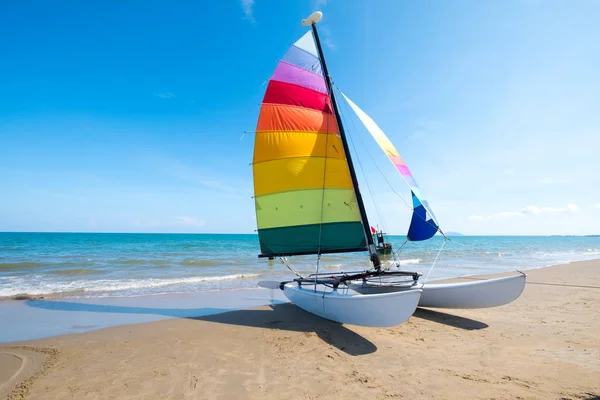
x=79 y=265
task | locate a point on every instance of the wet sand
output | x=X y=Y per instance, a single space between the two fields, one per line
x=545 y=345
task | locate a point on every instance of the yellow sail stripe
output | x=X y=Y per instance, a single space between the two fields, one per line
x=275 y=145
x=288 y=174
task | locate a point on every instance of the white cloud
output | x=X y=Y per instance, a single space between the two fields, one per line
x=527 y=210
x=165 y=95
x=326 y=38
x=183 y=172
x=247 y=8
x=144 y=223
x=597 y=205
x=538 y=210
x=190 y=221
x=502 y=215
x=552 y=181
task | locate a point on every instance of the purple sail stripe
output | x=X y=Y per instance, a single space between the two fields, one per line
x=403 y=169
x=302 y=59
x=299 y=76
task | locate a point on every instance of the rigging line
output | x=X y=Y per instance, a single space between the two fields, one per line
x=434 y=261
x=362 y=169
x=323 y=188
x=390 y=185
x=373 y=196
x=397 y=252
x=377 y=166
x=395 y=255
x=535 y=283
x=322 y=206
x=318 y=263
x=287 y=264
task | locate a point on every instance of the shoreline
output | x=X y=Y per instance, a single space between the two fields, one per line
x=545 y=345
x=120 y=266
x=45 y=318
x=74 y=315
x=91 y=295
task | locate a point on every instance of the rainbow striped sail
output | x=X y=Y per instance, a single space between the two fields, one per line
x=423 y=225
x=304 y=196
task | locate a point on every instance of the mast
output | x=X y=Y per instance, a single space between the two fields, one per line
x=312 y=20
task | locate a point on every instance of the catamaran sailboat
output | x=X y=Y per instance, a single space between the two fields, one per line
x=308 y=201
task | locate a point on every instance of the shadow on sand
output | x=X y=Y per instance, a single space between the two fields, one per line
x=449 y=319
x=285 y=317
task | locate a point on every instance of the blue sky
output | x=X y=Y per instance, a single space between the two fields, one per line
x=126 y=116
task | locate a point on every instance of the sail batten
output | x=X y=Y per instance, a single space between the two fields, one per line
x=423 y=223
x=305 y=199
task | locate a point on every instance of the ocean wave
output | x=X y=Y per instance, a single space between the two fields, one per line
x=167 y=262
x=200 y=263
x=74 y=272
x=24 y=264
x=135 y=261
x=411 y=261
x=26 y=287
x=393 y=263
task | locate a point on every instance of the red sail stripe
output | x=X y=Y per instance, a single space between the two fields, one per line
x=286 y=93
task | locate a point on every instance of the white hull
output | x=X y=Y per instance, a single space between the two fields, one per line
x=476 y=294
x=374 y=310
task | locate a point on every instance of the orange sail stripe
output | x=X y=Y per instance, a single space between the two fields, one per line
x=278 y=117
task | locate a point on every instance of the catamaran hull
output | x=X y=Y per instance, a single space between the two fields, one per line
x=476 y=294
x=376 y=310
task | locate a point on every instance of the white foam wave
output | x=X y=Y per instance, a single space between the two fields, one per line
x=393 y=263
x=410 y=261
x=22 y=286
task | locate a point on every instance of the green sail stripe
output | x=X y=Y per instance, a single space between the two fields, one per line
x=303 y=207
x=304 y=239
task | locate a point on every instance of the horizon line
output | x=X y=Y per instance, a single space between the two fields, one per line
x=256 y=233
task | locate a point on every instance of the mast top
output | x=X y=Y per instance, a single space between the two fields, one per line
x=312 y=18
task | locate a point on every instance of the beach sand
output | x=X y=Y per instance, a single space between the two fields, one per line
x=545 y=345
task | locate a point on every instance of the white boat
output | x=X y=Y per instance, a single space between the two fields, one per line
x=374 y=310
x=307 y=197
x=473 y=294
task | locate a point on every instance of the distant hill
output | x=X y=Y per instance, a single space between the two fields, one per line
x=454 y=234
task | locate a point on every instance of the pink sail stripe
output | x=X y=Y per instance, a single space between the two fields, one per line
x=403 y=169
x=396 y=160
x=299 y=76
